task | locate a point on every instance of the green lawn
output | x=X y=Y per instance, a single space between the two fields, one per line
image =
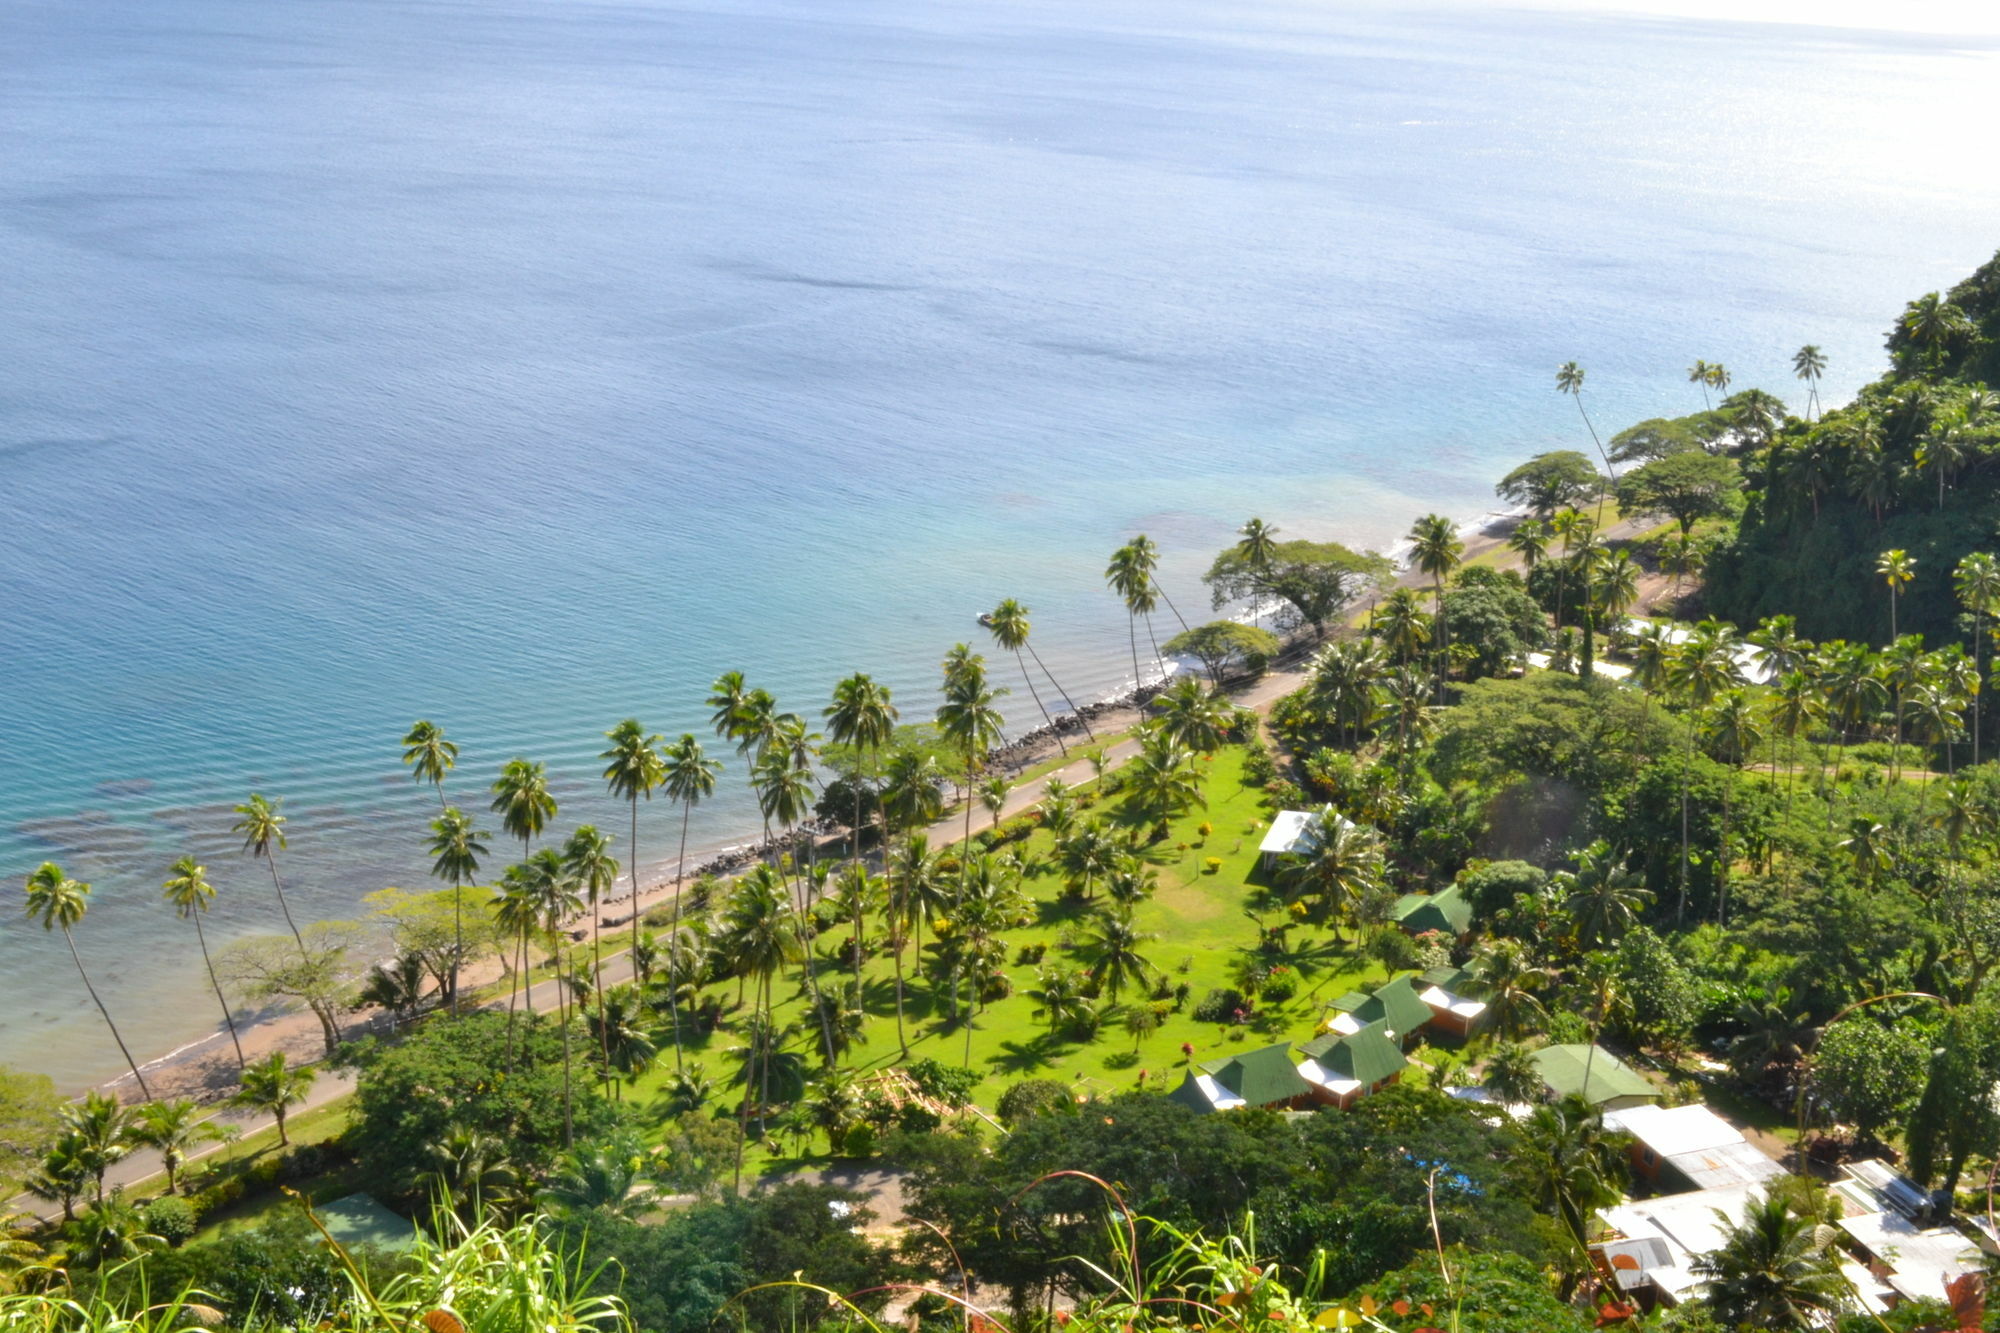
x=1200 y=929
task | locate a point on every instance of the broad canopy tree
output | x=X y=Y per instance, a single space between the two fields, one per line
x=1551 y=482
x=1684 y=487
x=1316 y=581
x=1221 y=644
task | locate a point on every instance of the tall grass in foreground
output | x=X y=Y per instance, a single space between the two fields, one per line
x=483 y=1279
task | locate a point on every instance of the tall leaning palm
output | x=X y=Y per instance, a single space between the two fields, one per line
x=262 y=829
x=430 y=755
x=632 y=769
x=1128 y=578
x=862 y=715
x=1008 y=624
x=1436 y=549
x=188 y=890
x=59 y=902
x=1569 y=380
x=457 y=843
x=1146 y=556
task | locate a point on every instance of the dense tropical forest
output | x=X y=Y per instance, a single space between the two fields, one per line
x=1686 y=771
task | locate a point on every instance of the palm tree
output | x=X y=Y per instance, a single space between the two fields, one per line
x=1400 y=623
x=688 y=776
x=1774 y=1270
x=591 y=868
x=1111 y=949
x=1809 y=363
x=1795 y=706
x=1530 y=541
x=760 y=934
x=605 y=1177
x=912 y=798
x=429 y=755
x=1680 y=555
x=628 y=1048
x=1701 y=669
x=1718 y=377
x=1932 y=322
x=864 y=715
x=457 y=843
x=1977 y=583
x=1698 y=373
x=1344 y=868
x=521 y=798
x=1146 y=555
x=1733 y=727
x=784 y=794
x=968 y=721
x=56 y=900
x=1008 y=624
x=1509 y=981
x=516 y=912
x=1163 y=781
x=632 y=769
x=553 y=891
x=1572 y=1165
x=98 y=1135
x=275 y=1087
x=174 y=1129
x=1604 y=900
x=1257 y=543
x=1195 y=716
x=188 y=889
x=1436 y=549
x=1897 y=569
x=1128 y=578
x=1569 y=380
x=263 y=831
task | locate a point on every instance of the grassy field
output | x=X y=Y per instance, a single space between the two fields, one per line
x=1201 y=927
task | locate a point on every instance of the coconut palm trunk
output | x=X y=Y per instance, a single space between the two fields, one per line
x=1036 y=695
x=105 y=1014
x=673 y=966
x=228 y=1018
x=1074 y=709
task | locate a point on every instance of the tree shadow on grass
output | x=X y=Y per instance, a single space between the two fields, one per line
x=1025 y=1057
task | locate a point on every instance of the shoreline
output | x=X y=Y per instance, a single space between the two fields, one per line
x=204 y=1068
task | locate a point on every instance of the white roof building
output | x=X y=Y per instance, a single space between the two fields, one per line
x=1698 y=1146
x=1749 y=657
x=1292 y=832
x=1686 y=1226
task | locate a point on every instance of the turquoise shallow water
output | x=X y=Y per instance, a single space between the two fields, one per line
x=525 y=364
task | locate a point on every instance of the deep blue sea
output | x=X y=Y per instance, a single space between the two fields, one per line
x=523 y=364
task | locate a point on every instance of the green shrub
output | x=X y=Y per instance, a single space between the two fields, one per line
x=1211 y=865
x=1281 y=985
x=1220 y=1006
x=1033 y=1097
x=950 y=1084
x=171 y=1218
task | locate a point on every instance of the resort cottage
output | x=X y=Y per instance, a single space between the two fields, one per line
x=1264 y=1077
x=1592 y=1073
x=1448 y=913
x=1295 y=833
x=1346 y=1066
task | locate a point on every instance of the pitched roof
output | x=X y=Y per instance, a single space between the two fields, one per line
x=1296 y=832
x=1263 y=1077
x=1354 y=1059
x=1562 y=1069
x=1448 y=912
x=1452 y=979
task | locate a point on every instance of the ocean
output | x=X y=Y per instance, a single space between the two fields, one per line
x=524 y=364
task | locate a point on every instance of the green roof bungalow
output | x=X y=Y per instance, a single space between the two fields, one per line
x=1397 y=1006
x=1448 y=913
x=1453 y=1012
x=1263 y=1077
x=1611 y=1084
x=1344 y=1067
